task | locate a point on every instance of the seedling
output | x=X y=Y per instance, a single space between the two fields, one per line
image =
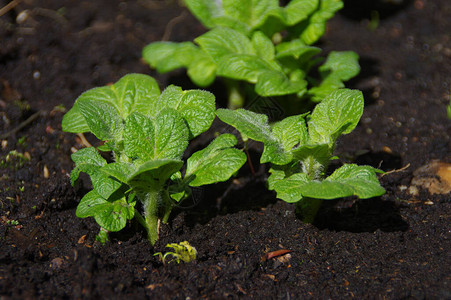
x=182 y=252
x=259 y=43
x=301 y=147
x=147 y=134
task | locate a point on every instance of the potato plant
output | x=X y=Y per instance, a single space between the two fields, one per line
x=262 y=44
x=147 y=134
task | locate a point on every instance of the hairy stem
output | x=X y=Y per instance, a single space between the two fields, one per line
x=307 y=208
x=236 y=97
x=151 y=201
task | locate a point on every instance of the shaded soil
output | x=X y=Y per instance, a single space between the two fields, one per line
x=396 y=246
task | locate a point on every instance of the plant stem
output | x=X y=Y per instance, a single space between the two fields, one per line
x=307 y=208
x=236 y=98
x=166 y=205
x=151 y=201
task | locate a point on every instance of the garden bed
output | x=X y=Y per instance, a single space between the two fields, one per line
x=394 y=246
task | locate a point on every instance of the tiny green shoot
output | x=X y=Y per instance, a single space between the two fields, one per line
x=301 y=147
x=12 y=222
x=147 y=133
x=183 y=252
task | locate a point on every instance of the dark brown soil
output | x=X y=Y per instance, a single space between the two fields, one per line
x=393 y=247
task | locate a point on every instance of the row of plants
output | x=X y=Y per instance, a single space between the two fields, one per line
x=252 y=43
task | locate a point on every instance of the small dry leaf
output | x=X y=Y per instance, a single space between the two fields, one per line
x=284 y=258
x=82 y=239
x=153 y=286
x=46 y=172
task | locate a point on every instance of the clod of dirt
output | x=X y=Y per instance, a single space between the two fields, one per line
x=435 y=177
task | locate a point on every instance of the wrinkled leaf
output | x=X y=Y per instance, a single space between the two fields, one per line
x=222 y=41
x=110 y=215
x=195 y=106
x=290 y=189
x=205 y=10
x=251 y=12
x=89 y=161
x=243 y=67
x=349 y=180
x=337 y=114
x=273 y=83
x=153 y=174
x=291 y=131
x=343 y=65
x=255 y=126
x=299 y=10
x=216 y=163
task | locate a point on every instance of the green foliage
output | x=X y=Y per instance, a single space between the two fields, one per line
x=148 y=133
x=301 y=147
x=183 y=251
x=245 y=43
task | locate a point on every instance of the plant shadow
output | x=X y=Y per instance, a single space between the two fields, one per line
x=365 y=215
x=360 y=216
x=358 y=10
x=247 y=191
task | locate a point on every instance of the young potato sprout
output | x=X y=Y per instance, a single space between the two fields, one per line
x=301 y=147
x=262 y=44
x=147 y=133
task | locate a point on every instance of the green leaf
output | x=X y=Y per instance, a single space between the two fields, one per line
x=164 y=137
x=327 y=86
x=343 y=65
x=337 y=114
x=120 y=171
x=255 y=126
x=110 y=215
x=291 y=131
x=113 y=216
x=299 y=10
x=202 y=70
x=243 y=67
x=179 y=189
x=73 y=121
x=139 y=140
x=222 y=41
x=248 y=123
x=317 y=21
x=251 y=12
x=296 y=48
x=168 y=56
x=349 y=180
x=102 y=118
x=171 y=135
x=263 y=46
x=290 y=189
x=153 y=174
x=89 y=204
x=216 y=163
x=135 y=93
x=195 y=106
x=89 y=161
x=275 y=176
x=273 y=83
x=205 y=10
x=101 y=110
x=83 y=158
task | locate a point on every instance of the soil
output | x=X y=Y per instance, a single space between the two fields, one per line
x=393 y=247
